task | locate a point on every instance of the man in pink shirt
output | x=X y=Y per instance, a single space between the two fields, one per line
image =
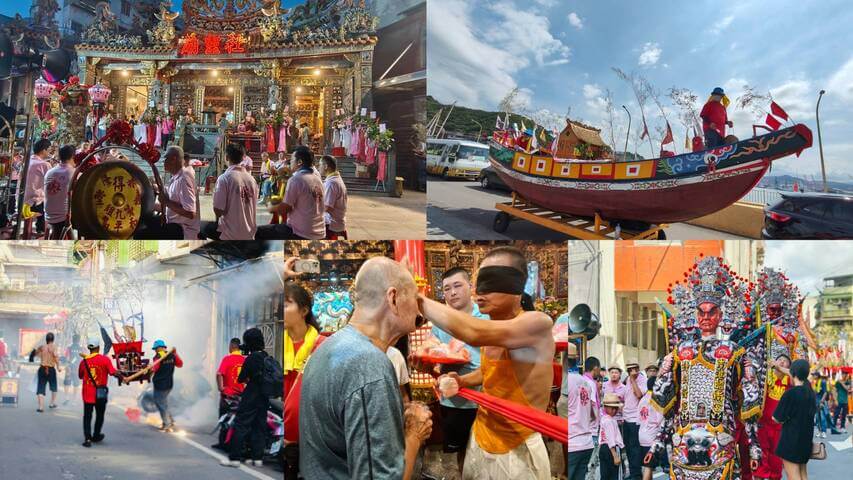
x=303 y=200
x=581 y=415
x=233 y=201
x=615 y=386
x=34 y=189
x=635 y=388
x=650 y=425
x=56 y=182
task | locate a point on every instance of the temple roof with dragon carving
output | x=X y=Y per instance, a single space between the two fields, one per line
x=263 y=25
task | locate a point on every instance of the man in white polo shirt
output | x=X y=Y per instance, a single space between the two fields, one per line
x=303 y=200
x=233 y=201
x=56 y=182
x=335 y=200
x=34 y=188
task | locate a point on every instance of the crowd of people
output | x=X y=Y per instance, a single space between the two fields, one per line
x=247 y=378
x=305 y=202
x=613 y=424
x=361 y=421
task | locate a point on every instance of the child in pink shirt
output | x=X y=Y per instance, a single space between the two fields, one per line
x=610 y=438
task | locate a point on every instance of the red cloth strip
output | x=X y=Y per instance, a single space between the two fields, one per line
x=551 y=426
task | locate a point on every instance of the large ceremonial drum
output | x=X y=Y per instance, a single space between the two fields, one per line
x=109 y=200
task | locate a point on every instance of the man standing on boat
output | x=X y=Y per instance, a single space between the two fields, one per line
x=714 y=119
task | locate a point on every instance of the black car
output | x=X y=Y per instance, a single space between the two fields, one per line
x=489 y=179
x=809 y=216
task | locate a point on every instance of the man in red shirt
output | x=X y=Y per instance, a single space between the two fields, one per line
x=95 y=371
x=714 y=119
x=228 y=372
x=226 y=380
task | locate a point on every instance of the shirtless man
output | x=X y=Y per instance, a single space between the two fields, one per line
x=516 y=356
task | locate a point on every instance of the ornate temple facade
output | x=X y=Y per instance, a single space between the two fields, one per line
x=236 y=56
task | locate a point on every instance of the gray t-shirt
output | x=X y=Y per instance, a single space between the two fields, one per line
x=350 y=412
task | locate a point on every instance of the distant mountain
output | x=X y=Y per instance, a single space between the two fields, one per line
x=786 y=182
x=463 y=120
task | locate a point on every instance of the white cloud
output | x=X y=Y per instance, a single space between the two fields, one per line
x=841 y=82
x=721 y=25
x=796 y=97
x=650 y=54
x=575 y=20
x=591 y=91
x=474 y=50
x=825 y=258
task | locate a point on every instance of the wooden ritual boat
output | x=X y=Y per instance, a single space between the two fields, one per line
x=661 y=190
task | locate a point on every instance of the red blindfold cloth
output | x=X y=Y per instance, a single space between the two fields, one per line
x=551 y=426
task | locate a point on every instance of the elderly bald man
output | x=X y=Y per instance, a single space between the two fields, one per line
x=179 y=201
x=351 y=418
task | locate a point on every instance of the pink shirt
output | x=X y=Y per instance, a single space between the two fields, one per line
x=595 y=400
x=34 y=192
x=182 y=189
x=247 y=163
x=618 y=389
x=581 y=407
x=631 y=410
x=335 y=198
x=56 y=182
x=235 y=193
x=168 y=125
x=609 y=433
x=650 y=421
x=304 y=193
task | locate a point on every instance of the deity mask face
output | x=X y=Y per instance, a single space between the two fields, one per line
x=774 y=311
x=727 y=325
x=708 y=317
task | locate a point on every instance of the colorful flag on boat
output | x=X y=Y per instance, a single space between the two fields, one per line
x=775 y=109
x=645 y=130
x=668 y=137
x=499 y=124
x=772 y=122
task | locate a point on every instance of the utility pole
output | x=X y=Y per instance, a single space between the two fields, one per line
x=628 y=133
x=820 y=141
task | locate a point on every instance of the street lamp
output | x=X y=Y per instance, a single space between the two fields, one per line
x=628 y=133
x=819 y=141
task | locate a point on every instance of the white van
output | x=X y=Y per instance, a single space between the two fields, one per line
x=456 y=158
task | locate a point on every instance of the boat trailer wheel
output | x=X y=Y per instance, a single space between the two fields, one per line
x=501 y=222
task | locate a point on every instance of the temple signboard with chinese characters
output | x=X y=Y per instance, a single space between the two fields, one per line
x=192 y=44
x=214 y=63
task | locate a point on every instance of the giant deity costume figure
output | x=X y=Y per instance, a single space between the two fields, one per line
x=707 y=383
x=779 y=303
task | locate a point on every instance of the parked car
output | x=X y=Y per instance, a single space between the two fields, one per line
x=809 y=216
x=489 y=179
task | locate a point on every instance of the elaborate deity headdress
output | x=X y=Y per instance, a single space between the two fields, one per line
x=774 y=287
x=708 y=280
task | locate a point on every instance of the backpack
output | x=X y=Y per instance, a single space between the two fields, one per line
x=272 y=379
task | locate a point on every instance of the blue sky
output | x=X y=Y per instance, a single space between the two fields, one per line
x=560 y=54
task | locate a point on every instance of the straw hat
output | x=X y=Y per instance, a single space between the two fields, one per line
x=572 y=350
x=611 y=400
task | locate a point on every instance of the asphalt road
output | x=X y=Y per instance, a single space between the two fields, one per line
x=46 y=446
x=459 y=209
